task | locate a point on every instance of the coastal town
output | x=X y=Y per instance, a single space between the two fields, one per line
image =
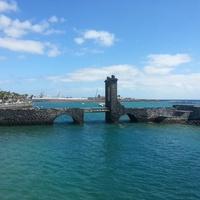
x=12 y=99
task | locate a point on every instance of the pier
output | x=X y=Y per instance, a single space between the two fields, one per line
x=113 y=112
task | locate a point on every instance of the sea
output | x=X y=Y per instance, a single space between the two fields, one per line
x=100 y=161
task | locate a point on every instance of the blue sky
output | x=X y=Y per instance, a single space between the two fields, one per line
x=69 y=47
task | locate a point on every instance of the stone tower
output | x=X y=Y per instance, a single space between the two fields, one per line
x=111 y=102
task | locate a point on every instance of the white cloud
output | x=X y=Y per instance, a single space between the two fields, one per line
x=165 y=63
x=79 y=40
x=29 y=46
x=134 y=82
x=4 y=21
x=15 y=32
x=12 y=32
x=22 y=45
x=168 y=60
x=17 y=29
x=103 y=38
x=157 y=70
x=53 y=50
x=55 y=19
x=6 y=6
x=170 y=86
x=14 y=28
x=41 y=27
x=96 y=74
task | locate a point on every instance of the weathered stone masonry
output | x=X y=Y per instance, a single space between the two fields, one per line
x=30 y=116
x=194 y=113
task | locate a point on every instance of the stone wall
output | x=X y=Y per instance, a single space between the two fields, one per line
x=167 y=115
x=36 y=117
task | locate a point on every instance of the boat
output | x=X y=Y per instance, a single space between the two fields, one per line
x=102 y=104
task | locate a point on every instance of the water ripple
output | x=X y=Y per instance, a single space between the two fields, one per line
x=100 y=161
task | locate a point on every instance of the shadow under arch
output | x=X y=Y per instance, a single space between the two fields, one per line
x=128 y=118
x=64 y=119
x=132 y=118
x=159 y=119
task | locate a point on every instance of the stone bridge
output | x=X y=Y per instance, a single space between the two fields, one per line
x=113 y=112
x=175 y=114
x=27 y=116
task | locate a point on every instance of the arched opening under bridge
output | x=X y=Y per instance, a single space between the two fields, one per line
x=160 y=119
x=128 y=118
x=63 y=119
x=133 y=118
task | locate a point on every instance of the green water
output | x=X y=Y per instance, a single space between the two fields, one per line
x=99 y=161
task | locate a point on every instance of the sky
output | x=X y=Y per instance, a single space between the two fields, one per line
x=68 y=48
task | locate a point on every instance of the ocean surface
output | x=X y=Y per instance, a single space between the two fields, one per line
x=99 y=161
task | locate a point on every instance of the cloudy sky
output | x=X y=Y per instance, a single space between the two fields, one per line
x=69 y=47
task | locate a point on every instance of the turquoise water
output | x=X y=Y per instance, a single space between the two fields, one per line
x=99 y=161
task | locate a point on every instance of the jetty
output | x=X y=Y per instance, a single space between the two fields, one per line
x=113 y=110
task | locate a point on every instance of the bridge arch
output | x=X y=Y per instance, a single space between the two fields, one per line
x=132 y=118
x=124 y=118
x=63 y=119
x=128 y=117
x=76 y=114
x=159 y=119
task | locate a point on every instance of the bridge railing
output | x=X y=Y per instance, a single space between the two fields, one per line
x=96 y=109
